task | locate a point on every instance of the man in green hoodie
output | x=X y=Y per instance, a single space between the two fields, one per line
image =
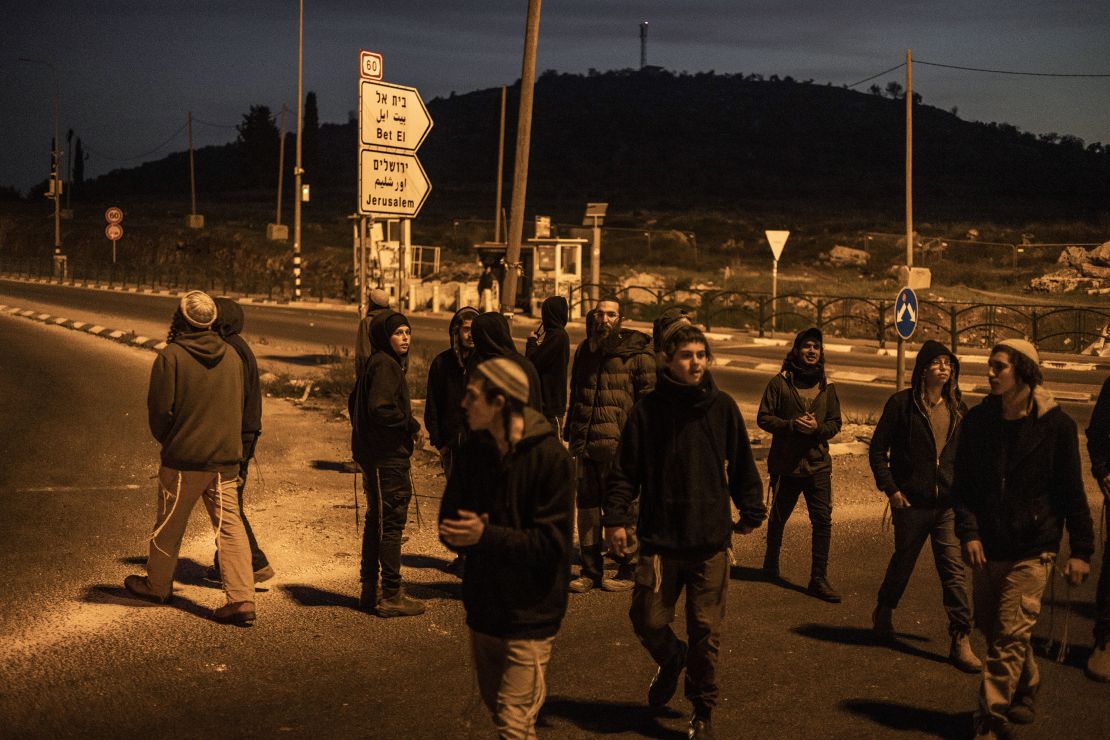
x=195 y=409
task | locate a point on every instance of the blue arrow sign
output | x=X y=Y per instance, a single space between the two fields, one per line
x=905 y=313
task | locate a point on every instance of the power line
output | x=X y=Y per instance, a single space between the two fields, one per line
x=1005 y=71
x=868 y=79
x=138 y=156
x=213 y=125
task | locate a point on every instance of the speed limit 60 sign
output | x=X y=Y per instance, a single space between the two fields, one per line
x=113 y=215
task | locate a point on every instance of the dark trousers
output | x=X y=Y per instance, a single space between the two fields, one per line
x=592 y=477
x=1102 y=596
x=388 y=493
x=817 y=490
x=659 y=581
x=911 y=528
x=258 y=558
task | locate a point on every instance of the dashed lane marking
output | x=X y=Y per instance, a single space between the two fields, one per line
x=78 y=489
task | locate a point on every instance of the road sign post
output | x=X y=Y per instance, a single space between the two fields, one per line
x=777 y=240
x=114 y=217
x=905 y=322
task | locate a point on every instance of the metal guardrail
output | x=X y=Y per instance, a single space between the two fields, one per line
x=1053 y=328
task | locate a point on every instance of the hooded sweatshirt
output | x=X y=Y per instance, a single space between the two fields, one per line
x=552 y=357
x=606 y=381
x=444 y=417
x=684 y=453
x=905 y=454
x=195 y=404
x=492 y=339
x=382 y=424
x=792 y=452
x=229 y=325
x=1016 y=499
x=515 y=582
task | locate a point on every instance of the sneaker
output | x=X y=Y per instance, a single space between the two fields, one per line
x=882 y=623
x=665 y=682
x=617 y=584
x=962 y=656
x=701 y=728
x=581 y=585
x=1098 y=665
x=140 y=586
x=238 y=613
x=820 y=588
x=1023 y=710
x=399 y=604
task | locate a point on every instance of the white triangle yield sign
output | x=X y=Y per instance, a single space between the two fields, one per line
x=777 y=240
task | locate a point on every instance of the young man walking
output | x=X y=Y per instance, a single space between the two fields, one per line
x=548 y=349
x=1098 y=446
x=912 y=453
x=508 y=506
x=443 y=413
x=195 y=409
x=683 y=455
x=1016 y=485
x=383 y=435
x=229 y=325
x=801 y=410
x=612 y=370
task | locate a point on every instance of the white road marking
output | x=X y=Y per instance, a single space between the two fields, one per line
x=78 y=489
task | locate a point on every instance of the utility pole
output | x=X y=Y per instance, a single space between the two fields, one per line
x=643 y=43
x=192 y=172
x=901 y=368
x=297 y=171
x=520 y=168
x=69 y=170
x=55 y=164
x=500 y=170
x=281 y=164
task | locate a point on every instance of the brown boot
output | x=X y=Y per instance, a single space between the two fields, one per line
x=962 y=656
x=239 y=613
x=399 y=604
x=140 y=586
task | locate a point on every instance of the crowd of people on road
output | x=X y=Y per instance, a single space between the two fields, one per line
x=629 y=443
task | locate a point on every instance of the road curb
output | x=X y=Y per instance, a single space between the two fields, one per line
x=116 y=335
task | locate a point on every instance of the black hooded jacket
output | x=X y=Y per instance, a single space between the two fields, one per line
x=1017 y=502
x=904 y=456
x=444 y=417
x=492 y=339
x=515 y=582
x=382 y=424
x=552 y=357
x=684 y=453
x=229 y=325
x=1098 y=434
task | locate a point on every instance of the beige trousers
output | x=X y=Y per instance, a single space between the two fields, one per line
x=1007 y=599
x=511 y=681
x=178 y=491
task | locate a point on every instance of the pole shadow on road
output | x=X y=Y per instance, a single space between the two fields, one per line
x=612 y=717
x=863 y=637
x=104 y=593
x=904 y=717
x=756 y=575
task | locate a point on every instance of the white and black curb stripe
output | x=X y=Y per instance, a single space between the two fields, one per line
x=122 y=337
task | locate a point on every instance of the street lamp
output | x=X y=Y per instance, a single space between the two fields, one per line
x=55 y=157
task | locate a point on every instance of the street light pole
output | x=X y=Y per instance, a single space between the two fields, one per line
x=55 y=157
x=297 y=171
x=900 y=366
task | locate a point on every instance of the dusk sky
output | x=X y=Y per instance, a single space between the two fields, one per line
x=130 y=70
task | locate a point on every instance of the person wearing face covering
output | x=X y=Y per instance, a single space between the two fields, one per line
x=493 y=339
x=801 y=411
x=549 y=350
x=383 y=436
x=443 y=413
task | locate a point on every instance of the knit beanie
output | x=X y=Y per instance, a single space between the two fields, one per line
x=199 y=309
x=1023 y=347
x=378 y=298
x=666 y=324
x=506 y=375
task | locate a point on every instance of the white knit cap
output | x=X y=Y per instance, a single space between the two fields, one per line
x=1023 y=347
x=505 y=374
x=199 y=309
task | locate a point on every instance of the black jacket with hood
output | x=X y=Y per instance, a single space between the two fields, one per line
x=229 y=325
x=792 y=452
x=382 y=424
x=493 y=339
x=904 y=456
x=1017 y=503
x=684 y=453
x=515 y=582
x=552 y=357
x=195 y=404
x=444 y=417
x=1098 y=434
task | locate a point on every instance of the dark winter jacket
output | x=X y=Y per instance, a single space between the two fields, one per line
x=444 y=417
x=515 y=582
x=195 y=404
x=903 y=454
x=229 y=325
x=382 y=424
x=683 y=453
x=1017 y=504
x=493 y=339
x=552 y=357
x=605 y=383
x=1098 y=434
x=792 y=452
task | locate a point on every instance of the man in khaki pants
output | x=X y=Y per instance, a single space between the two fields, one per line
x=195 y=409
x=1016 y=485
